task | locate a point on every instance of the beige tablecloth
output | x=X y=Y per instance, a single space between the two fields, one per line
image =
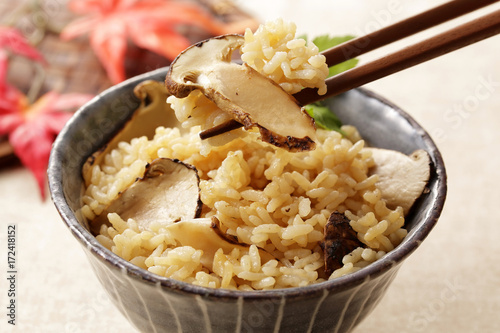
x=450 y=284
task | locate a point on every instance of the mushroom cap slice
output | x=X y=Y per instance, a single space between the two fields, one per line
x=205 y=234
x=151 y=113
x=402 y=178
x=168 y=192
x=248 y=96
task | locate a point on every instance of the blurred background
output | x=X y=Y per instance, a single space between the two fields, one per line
x=450 y=284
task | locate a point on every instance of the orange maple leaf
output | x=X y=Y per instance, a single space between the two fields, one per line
x=150 y=24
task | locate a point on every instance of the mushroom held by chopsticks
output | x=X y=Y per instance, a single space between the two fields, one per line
x=251 y=99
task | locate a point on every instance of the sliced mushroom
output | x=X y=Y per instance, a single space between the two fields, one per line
x=205 y=234
x=151 y=113
x=402 y=178
x=249 y=97
x=168 y=192
x=340 y=240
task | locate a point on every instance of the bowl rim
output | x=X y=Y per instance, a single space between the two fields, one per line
x=372 y=271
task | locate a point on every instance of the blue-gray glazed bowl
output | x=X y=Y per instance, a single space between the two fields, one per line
x=157 y=304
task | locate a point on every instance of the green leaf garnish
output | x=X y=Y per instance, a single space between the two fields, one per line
x=342 y=67
x=325 y=42
x=324 y=117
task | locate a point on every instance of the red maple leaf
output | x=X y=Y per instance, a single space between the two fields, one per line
x=150 y=24
x=31 y=129
x=12 y=40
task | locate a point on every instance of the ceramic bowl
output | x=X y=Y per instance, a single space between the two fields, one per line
x=156 y=304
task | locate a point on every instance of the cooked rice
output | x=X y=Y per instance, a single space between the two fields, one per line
x=268 y=197
x=291 y=62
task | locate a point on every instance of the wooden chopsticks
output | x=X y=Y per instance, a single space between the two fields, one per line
x=451 y=40
x=397 y=31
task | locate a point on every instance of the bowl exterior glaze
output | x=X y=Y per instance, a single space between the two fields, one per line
x=157 y=304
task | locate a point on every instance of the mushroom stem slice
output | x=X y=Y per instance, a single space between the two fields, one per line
x=402 y=178
x=248 y=96
x=205 y=234
x=168 y=192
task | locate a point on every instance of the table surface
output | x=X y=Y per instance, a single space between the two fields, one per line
x=450 y=284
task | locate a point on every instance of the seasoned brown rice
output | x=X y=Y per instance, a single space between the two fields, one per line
x=267 y=197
